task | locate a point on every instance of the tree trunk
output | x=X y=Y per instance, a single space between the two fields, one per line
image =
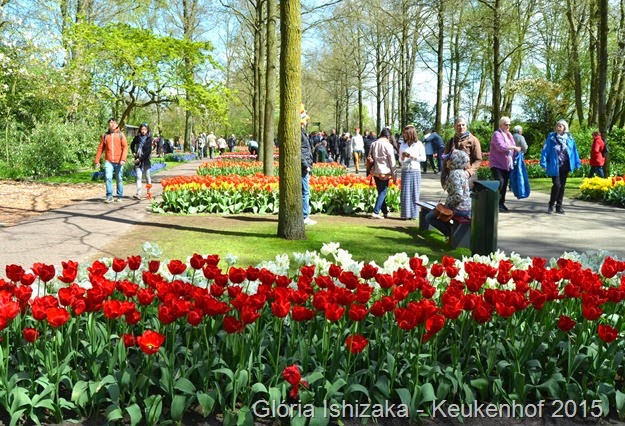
x=496 y=67
x=440 y=70
x=270 y=86
x=602 y=64
x=592 y=52
x=290 y=216
x=261 y=77
x=574 y=62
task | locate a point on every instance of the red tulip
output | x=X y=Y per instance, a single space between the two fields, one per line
x=606 y=333
x=609 y=268
x=45 y=272
x=565 y=323
x=119 y=265
x=591 y=312
x=334 y=312
x=150 y=341
x=293 y=377
x=232 y=325
x=357 y=312
x=28 y=279
x=368 y=271
x=437 y=270
x=14 y=272
x=281 y=307
x=70 y=271
x=145 y=296
x=134 y=262
x=236 y=275
x=356 y=343
x=30 y=334
x=197 y=261
x=194 y=317
x=112 y=309
x=176 y=267
x=154 y=266
x=129 y=340
x=57 y=316
x=301 y=314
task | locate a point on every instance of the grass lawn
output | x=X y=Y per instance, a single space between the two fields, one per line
x=253 y=238
x=544 y=185
x=84 y=176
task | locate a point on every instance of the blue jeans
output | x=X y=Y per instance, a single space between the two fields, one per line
x=596 y=170
x=109 y=170
x=380 y=202
x=306 y=194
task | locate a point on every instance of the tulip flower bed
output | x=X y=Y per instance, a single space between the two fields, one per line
x=243 y=168
x=610 y=190
x=141 y=340
x=230 y=194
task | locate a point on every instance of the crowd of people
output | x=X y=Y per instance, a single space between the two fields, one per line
x=384 y=158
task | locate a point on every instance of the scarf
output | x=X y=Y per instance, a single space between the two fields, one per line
x=460 y=138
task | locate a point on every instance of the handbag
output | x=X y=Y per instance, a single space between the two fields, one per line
x=443 y=213
x=369 y=164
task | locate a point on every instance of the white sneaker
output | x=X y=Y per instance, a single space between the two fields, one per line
x=377 y=216
x=309 y=221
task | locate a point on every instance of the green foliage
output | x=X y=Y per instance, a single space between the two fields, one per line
x=616 y=143
x=421 y=115
x=53 y=148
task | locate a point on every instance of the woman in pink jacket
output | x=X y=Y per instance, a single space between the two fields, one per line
x=500 y=159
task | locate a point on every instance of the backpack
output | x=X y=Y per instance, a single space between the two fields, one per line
x=121 y=135
x=605 y=150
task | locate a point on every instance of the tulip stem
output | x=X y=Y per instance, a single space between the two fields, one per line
x=277 y=356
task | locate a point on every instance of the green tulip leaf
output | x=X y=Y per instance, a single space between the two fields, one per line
x=207 y=403
x=185 y=386
x=114 y=412
x=245 y=417
x=259 y=388
x=134 y=411
x=178 y=407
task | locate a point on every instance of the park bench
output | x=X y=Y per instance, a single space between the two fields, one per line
x=460 y=226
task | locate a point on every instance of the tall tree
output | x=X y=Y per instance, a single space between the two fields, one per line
x=270 y=86
x=290 y=215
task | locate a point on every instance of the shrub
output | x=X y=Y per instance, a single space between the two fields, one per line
x=53 y=148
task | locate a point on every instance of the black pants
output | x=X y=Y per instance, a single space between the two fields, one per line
x=557 y=188
x=430 y=159
x=503 y=176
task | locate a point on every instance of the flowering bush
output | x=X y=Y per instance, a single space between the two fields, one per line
x=610 y=190
x=180 y=157
x=129 y=171
x=258 y=193
x=140 y=339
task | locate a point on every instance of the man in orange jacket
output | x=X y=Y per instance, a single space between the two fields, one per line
x=116 y=146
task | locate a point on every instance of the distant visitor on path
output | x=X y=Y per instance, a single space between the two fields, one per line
x=519 y=139
x=597 y=155
x=411 y=154
x=115 y=148
x=501 y=158
x=457 y=187
x=438 y=146
x=464 y=141
x=559 y=157
x=383 y=170
x=307 y=164
x=142 y=150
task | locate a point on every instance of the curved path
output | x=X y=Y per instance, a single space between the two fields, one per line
x=80 y=231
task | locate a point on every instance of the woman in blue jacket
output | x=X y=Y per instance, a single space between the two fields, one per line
x=559 y=157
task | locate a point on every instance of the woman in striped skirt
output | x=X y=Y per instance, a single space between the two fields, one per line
x=411 y=154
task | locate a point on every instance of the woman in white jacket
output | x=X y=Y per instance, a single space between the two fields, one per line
x=411 y=154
